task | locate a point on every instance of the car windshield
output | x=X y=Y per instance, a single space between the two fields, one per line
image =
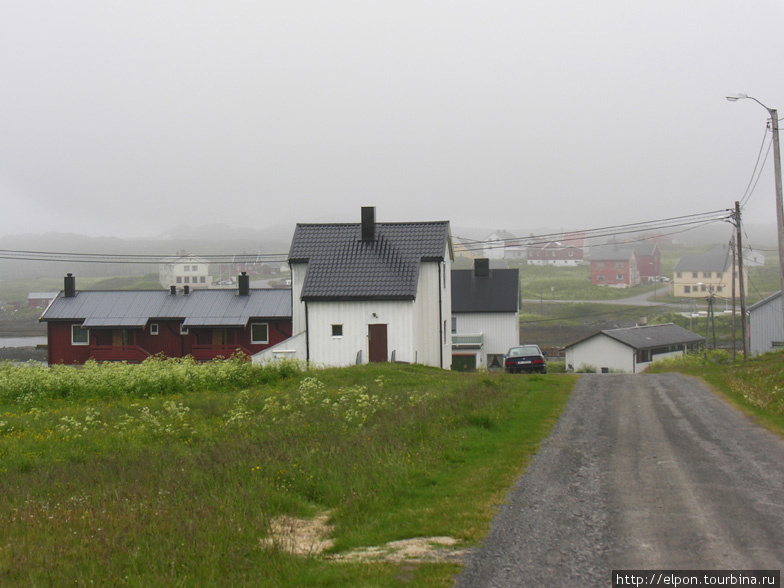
x=527 y=350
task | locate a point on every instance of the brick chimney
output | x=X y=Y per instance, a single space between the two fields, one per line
x=70 y=286
x=244 y=284
x=368 y=223
x=481 y=267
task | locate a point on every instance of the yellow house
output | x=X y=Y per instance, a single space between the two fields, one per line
x=697 y=276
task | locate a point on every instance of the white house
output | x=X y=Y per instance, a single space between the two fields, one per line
x=485 y=315
x=365 y=292
x=630 y=350
x=185 y=270
x=497 y=243
x=766 y=327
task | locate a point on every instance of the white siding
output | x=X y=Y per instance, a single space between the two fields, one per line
x=602 y=352
x=432 y=312
x=355 y=318
x=298 y=271
x=500 y=330
x=765 y=326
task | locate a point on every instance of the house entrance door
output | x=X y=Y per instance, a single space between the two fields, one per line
x=377 y=343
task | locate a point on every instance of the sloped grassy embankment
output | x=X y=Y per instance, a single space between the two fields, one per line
x=174 y=473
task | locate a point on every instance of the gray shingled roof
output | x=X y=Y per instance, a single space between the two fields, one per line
x=497 y=292
x=343 y=267
x=718 y=259
x=649 y=336
x=201 y=308
x=612 y=253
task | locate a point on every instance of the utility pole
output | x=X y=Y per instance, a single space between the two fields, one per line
x=732 y=247
x=741 y=285
x=774 y=122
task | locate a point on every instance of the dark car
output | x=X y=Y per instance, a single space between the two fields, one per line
x=525 y=358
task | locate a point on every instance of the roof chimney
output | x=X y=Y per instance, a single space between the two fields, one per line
x=368 y=223
x=244 y=284
x=186 y=290
x=481 y=267
x=173 y=290
x=70 y=286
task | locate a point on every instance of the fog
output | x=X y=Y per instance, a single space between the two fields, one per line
x=129 y=118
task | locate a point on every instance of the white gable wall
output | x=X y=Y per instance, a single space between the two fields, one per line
x=433 y=312
x=298 y=272
x=601 y=352
x=500 y=330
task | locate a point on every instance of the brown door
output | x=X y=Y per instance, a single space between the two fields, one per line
x=377 y=343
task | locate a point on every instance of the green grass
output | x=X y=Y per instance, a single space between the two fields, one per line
x=127 y=475
x=756 y=386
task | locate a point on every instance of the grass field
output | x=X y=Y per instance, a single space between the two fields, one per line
x=176 y=474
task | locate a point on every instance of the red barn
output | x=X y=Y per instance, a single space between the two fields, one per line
x=133 y=325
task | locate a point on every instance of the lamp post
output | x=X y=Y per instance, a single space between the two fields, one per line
x=774 y=125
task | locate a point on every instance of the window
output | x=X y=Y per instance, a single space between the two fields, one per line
x=718 y=275
x=600 y=278
x=183 y=329
x=259 y=333
x=706 y=274
x=695 y=274
x=203 y=280
x=79 y=335
x=687 y=289
x=337 y=330
x=153 y=328
x=618 y=264
x=619 y=277
x=179 y=280
x=187 y=280
x=678 y=275
x=599 y=265
x=454 y=325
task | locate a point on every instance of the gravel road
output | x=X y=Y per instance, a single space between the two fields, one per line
x=640 y=472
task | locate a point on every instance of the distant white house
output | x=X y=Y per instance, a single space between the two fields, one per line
x=630 y=350
x=485 y=315
x=766 y=327
x=753 y=258
x=185 y=270
x=498 y=242
x=369 y=292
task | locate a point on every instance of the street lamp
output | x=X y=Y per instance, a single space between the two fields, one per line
x=774 y=125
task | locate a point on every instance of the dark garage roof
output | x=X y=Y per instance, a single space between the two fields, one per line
x=497 y=292
x=648 y=337
x=341 y=266
x=200 y=308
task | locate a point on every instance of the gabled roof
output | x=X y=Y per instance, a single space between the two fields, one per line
x=718 y=259
x=612 y=253
x=764 y=301
x=497 y=292
x=649 y=336
x=200 y=308
x=341 y=266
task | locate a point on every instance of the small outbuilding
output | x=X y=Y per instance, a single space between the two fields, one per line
x=630 y=350
x=766 y=327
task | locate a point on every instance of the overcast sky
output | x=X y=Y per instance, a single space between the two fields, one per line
x=129 y=117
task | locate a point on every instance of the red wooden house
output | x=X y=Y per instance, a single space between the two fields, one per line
x=614 y=265
x=133 y=325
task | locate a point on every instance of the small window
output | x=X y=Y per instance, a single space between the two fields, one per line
x=687 y=289
x=203 y=279
x=600 y=278
x=79 y=335
x=187 y=280
x=454 y=325
x=259 y=333
x=183 y=329
x=695 y=274
x=599 y=265
x=153 y=328
x=619 y=277
x=678 y=275
x=179 y=280
x=337 y=330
